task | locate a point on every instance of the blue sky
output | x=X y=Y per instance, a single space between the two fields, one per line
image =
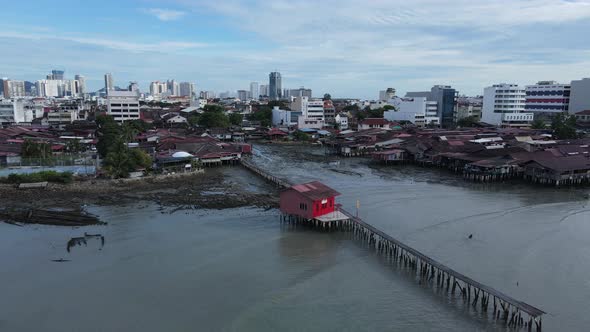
x=346 y=47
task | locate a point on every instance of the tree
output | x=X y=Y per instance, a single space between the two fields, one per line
x=109 y=134
x=389 y=108
x=236 y=119
x=538 y=124
x=117 y=162
x=213 y=119
x=193 y=119
x=564 y=126
x=74 y=146
x=301 y=136
x=466 y=122
x=351 y=108
x=31 y=149
x=264 y=115
x=213 y=108
x=327 y=96
x=128 y=132
x=140 y=159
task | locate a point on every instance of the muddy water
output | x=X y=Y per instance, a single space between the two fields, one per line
x=241 y=270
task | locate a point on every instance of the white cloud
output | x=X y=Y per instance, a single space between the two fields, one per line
x=157 y=46
x=165 y=14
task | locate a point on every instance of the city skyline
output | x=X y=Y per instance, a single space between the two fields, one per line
x=348 y=50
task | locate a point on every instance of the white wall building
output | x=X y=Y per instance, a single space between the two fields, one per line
x=284 y=117
x=123 y=105
x=547 y=97
x=81 y=84
x=312 y=109
x=417 y=110
x=342 y=121
x=504 y=105
x=108 y=83
x=580 y=96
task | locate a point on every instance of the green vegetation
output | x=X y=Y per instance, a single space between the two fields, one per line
x=213 y=117
x=45 y=176
x=236 y=119
x=466 y=122
x=538 y=124
x=301 y=136
x=31 y=149
x=564 y=126
x=327 y=96
x=119 y=160
x=264 y=115
x=351 y=108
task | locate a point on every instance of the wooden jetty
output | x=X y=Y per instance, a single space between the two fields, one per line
x=512 y=312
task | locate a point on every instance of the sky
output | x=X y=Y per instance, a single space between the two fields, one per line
x=347 y=48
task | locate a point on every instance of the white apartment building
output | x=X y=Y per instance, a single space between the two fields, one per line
x=580 y=96
x=123 y=105
x=547 y=97
x=504 y=105
x=62 y=116
x=13 y=89
x=15 y=111
x=312 y=112
x=157 y=88
x=417 y=110
x=254 y=90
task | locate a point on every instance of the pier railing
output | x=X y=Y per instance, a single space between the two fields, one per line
x=512 y=312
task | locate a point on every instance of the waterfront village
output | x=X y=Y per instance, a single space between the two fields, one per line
x=537 y=133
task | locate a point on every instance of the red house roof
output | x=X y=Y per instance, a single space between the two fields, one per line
x=374 y=121
x=315 y=190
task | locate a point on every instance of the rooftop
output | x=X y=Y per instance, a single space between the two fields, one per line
x=315 y=190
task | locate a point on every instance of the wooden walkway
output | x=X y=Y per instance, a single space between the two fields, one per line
x=512 y=312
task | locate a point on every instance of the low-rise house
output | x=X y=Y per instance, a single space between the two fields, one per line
x=370 y=123
x=308 y=200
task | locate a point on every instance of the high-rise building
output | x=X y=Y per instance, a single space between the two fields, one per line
x=388 y=94
x=301 y=92
x=133 y=86
x=504 y=105
x=187 y=89
x=275 y=86
x=547 y=97
x=173 y=88
x=158 y=88
x=254 y=90
x=57 y=75
x=108 y=83
x=263 y=90
x=580 y=96
x=242 y=95
x=47 y=88
x=81 y=83
x=123 y=105
x=13 y=89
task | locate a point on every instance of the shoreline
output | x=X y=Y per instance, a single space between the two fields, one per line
x=205 y=189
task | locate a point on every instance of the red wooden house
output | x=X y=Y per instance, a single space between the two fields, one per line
x=308 y=200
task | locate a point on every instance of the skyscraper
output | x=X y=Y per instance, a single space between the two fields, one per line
x=81 y=83
x=263 y=90
x=173 y=87
x=275 y=86
x=254 y=90
x=57 y=75
x=108 y=82
x=242 y=95
x=187 y=89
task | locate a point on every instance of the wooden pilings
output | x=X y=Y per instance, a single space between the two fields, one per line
x=426 y=270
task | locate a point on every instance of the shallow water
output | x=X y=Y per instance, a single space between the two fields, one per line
x=242 y=270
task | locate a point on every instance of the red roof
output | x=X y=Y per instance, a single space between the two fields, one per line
x=374 y=121
x=586 y=112
x=315 y=190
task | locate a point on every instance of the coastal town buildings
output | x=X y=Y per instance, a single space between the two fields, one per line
x=123 y=105
x=547 y=98
x=504 y=105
